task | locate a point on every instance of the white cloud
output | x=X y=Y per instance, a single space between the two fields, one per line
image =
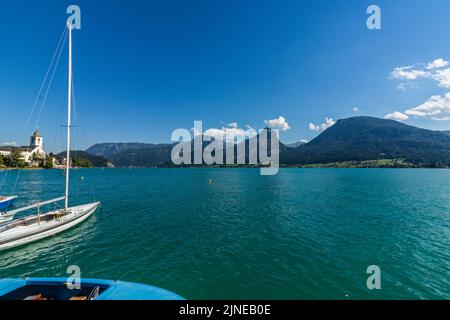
x=443 y=77
x=215 y=133
x=304 y=140
x=397 y=115
x=408 y=73
x=328 y=123
x=230 y=133
x=436 y=107
x=436 y=64
x=355 y=109
x=225 y=133
x=279 y=123
x=9 y=144
x=403 y=86
x=432 y=70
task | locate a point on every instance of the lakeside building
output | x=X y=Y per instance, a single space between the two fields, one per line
x=29 y=153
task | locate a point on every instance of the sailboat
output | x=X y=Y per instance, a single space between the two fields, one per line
x=39 y=226
x=17 y=232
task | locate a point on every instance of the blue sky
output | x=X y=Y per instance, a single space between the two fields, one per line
x=145 y=68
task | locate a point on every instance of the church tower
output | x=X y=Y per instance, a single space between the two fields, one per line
x=36 y=140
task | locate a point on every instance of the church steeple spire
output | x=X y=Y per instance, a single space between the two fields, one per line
x=37 y=133
x=36 y=139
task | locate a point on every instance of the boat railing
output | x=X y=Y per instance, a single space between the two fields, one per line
x=16 y=222
x=35 y=205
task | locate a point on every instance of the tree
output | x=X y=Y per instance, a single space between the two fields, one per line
x=37 y=159
x=82 y=163
x=14 y=159
x=48 y=162
x=2 y=160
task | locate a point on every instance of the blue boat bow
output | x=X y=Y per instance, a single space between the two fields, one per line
x=90 y=289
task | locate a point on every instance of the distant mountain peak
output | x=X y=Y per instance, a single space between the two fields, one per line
x=369 y=138
x=353 y=139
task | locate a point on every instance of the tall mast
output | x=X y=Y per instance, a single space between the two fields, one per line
x=69 y=102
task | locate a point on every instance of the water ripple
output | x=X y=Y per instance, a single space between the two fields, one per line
x=303 y=234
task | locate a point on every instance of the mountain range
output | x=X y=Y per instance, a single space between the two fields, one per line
x=133 y=154
x=353 y=140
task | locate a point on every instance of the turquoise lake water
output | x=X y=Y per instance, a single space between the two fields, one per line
x=302 y=234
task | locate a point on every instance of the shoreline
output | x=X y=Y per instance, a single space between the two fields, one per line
x=27 y=169
x=281 y=167
x=312 y=166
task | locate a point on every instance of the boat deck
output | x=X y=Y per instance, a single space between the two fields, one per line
x=37 y=224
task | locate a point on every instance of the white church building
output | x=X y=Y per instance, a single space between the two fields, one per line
x=36 y=147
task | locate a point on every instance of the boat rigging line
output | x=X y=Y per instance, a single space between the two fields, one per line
x=50 y=70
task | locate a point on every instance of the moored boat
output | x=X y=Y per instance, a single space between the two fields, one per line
x=42 y=289
x=29 y=229
x=42 y=225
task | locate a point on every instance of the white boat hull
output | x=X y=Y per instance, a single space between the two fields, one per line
x=13 y=236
